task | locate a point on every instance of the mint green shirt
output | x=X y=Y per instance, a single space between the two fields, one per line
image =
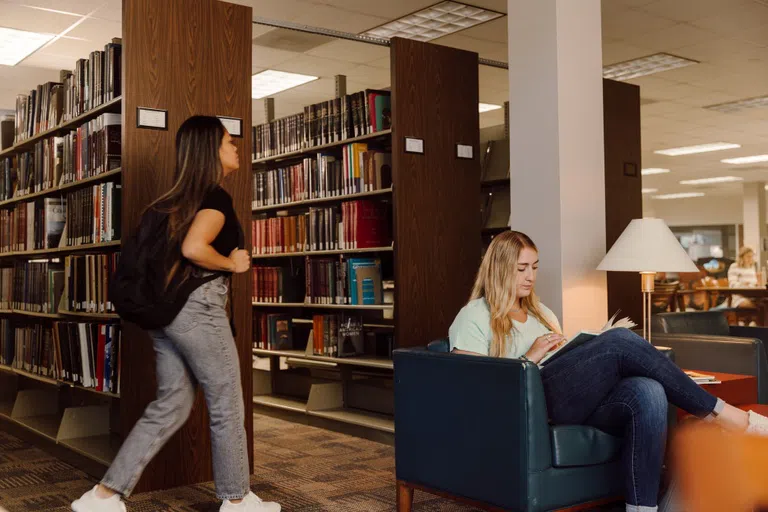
x=471 y=330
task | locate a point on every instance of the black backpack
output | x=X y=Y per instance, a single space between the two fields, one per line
x=138 y=290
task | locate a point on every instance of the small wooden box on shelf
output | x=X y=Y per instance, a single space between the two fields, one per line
x=428 y=257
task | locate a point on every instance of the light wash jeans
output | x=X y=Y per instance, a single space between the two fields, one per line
x=197 y=347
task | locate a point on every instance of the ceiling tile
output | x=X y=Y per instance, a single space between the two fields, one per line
x=316 y=66
x=34 y=20
x=351 y=51
x=633 y=23
x=263 y=57
x=684 y=10
x=111 y=10
x=77 y=7
x=97 y=31
x=621 y=51
x=333 y=18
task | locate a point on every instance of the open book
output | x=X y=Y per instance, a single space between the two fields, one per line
x=584 y=336
x=702 y=378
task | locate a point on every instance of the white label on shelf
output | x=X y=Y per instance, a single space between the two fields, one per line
x=464 y=151
x=413 y=145
x=153 y=118
x=234 y=125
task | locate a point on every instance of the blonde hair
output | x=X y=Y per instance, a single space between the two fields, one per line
x=743 y=255
x=496 y=282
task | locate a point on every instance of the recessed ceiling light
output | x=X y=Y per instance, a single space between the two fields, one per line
x=487 y=107
x=271 y=82
x=717 y=179
x=746 y=159
x=681 y=195
x=653 y=170
x=643 y=66
x=700 y=148
x=736 y=106
x=17 y=45
x=435 y=21
x=650 y=190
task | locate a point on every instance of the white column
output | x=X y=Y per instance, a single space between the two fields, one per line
x=755 y=230
x=556 y=151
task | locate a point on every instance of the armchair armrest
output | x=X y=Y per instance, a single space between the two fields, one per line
x=728 y=354
x=474 y=426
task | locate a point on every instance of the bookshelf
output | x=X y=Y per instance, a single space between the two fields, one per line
x=428 y=259
x=86 y=425
x=40 y=172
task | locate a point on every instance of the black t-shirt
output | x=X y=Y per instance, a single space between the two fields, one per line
x=230 y=236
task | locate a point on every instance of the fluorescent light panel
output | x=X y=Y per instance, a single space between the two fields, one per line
x=653 y=170
x=487 y=107
x=700 y=148
x=681 y=195
x=650 y=190
x=739 y=105
x=746 y=159
x=435 y=21
x=17 y=45
x=643 y=66
x=271 y=82
x=717 y=179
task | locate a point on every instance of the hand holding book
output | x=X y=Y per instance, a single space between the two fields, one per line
x=584 y=336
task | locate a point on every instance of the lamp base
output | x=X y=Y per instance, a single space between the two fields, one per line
x=647 y=286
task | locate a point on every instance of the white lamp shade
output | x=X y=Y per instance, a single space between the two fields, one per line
x=647 y=245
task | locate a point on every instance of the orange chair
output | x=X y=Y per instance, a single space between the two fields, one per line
x=720 y=471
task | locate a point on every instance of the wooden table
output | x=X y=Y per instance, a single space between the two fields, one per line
x=735 y=389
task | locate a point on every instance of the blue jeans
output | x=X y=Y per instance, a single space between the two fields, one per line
x=619 y=383
x=196 y=348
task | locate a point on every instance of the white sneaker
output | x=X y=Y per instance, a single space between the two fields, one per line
x=758 y=424
x=89 y=502
x=251 y=503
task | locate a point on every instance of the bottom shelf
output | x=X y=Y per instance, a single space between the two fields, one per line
x=277 y=402
x=358 y=417
x=102 y=449
x=46 y=425
x=6 y=408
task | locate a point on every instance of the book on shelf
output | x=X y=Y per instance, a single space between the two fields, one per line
x=93 y=214
x=7 y=132
x=327 y=122
x=359 y=224
x=34 y=286
x=86 y=279
x=93 y=82
x=323 y=176
x=88 y=354
x=91 y=149
x=335 y=335
x=28 y=347
x=343 y=281
x=272 y=331
x=277 y=284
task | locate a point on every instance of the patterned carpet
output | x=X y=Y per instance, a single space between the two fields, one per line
x=304 y=468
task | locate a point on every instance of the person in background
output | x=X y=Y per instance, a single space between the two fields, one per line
x=617 y=382
x=743 y=274
x=197 y=349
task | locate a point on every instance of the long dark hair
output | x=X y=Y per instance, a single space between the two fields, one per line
x=198 y=171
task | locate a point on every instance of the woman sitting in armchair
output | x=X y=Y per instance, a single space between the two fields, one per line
x=617 y=382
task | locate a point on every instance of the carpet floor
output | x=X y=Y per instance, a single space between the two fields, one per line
x=304 y=468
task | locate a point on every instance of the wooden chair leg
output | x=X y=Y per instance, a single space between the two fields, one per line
x=404 y=497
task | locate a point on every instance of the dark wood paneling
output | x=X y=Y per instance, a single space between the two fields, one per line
x=188 y=57
x=434 y=98
x=623 y=193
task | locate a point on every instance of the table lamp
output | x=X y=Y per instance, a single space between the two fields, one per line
x=647 y=246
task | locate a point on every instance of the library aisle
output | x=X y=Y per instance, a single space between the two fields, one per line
x=304 y=468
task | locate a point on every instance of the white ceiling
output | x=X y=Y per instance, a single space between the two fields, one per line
x=728 y=37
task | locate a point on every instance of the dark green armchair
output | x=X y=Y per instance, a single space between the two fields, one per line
x=476 y=429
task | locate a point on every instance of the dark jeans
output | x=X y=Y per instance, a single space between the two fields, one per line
x=620 y=384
